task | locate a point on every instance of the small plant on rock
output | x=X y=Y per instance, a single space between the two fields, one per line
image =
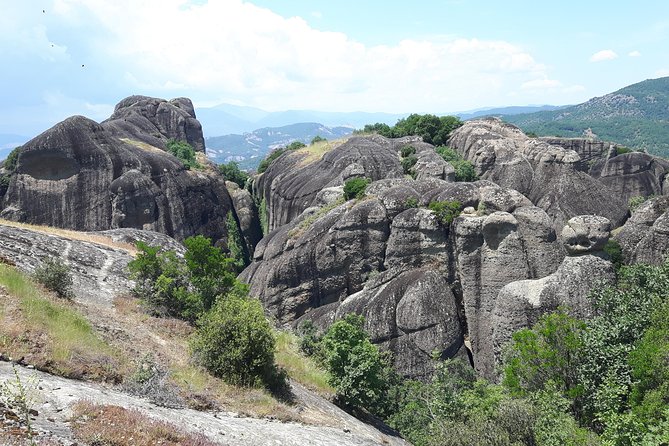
x=55 y=276
x=355 y=188
x=445 y=211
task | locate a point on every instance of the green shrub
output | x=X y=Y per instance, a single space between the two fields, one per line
x=12 y=160
x=232 y=172
x=182 y=287
x=263 y=215
x=309 y=338
x=234 y=341
x=615 y=252
x=620 y=150
x=184 y=152
x=356 y=367
x=295 y=145
x=445 y=211
x=635 y=202
x=317 y=138
x=55 y=276
x=407 y=150
x=408 y=164
x=355 y=188
x=464 y=171
x=411 y=202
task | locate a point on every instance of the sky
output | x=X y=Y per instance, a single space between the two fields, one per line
x=66 y=57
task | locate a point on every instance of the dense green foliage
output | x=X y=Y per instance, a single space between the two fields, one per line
x=433 y=129
x=55 y=275
x=12 y=160
x=640 y=123
x=232 y=172
x=464 y=170
x=615 y=252
x=355 y=188
x=407 y=150
x=317 y=138
x=445 y=211
x=183 y=151
x=635 y=202
x=234 y=340
x=182 y=287
x=408 y=164
x=356 y=368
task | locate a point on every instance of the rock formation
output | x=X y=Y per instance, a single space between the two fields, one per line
x=645 y=236
x=155 y=121
x=549 y=175
x=520 y=304
x=79 y=175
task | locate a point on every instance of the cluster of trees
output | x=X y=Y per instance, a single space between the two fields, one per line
x=433 y=129
x=233 y=339
x=604 y=381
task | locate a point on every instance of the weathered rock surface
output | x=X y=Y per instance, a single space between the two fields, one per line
x=99 y=272
x=492 y=251
x=549 y=175
x=290 y=186
x=154 y=121
x=645 y=236
x=634 y=174
x=57 y=395
x=520 y=304
x=77 y=175
x=383 y=257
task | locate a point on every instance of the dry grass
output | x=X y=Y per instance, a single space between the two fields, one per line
x=74 y=235
x=114 y=425
x=142 y=145
x=314 y=152
x=50 y=333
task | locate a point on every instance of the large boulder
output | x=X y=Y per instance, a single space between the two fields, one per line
x=519 y=304
x=549 y=175
x=645 y=236
x=155 y=121
x=78 y=175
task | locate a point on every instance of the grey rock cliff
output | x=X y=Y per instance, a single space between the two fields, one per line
x=549 y=175
x=154 y=121
x=645 y=236
x=520 y=304
x=78 y=175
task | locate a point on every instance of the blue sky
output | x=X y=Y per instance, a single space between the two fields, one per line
x=64 y=57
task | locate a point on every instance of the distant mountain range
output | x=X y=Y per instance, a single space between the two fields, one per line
x=227 y=119
x=636 y=116
x=249 y=148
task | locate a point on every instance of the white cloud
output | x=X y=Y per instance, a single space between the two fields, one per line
x=663 y=72
x=317 y=14
x=603 y=55
x=541 y=84
x=634 y=53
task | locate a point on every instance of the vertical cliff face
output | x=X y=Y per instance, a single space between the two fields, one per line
x=86 y=176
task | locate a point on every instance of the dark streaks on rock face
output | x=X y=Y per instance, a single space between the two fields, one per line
x=154 y=121
x=78 y=175
x=289 y=187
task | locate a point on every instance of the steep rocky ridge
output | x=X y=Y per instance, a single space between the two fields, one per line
x=80 y=175
x=549 y=175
